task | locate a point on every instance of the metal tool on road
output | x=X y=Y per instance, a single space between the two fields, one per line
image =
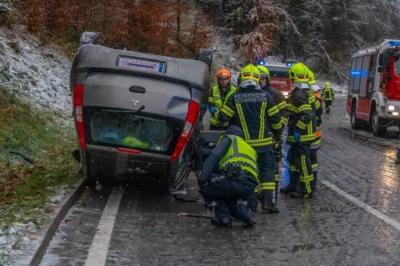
x=185 y=214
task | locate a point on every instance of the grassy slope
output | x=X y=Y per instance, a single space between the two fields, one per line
x=25 y=189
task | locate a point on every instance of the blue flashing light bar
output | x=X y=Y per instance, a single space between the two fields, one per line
x=289 y=64
x=394 y=43
x=358 y=73
x=261 y=63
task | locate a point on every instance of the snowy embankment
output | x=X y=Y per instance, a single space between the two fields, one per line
x=38 y=75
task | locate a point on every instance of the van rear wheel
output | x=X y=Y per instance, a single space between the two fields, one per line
x=90 y=179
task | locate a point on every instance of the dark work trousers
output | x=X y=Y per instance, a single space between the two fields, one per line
x=328 y=106
x=266 y=168
x=300 y=168
x=314 y=164
x=278 y=158
x=228 y=197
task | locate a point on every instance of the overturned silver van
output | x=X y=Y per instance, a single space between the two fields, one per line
x=136 y=114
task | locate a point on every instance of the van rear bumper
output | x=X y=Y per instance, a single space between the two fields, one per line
x=108 y=161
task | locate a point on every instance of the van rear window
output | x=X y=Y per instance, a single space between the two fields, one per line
x=131 y=130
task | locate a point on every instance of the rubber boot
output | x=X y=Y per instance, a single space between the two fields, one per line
x=223 y=224
x=289 y=189
x=302 y=192
x=270 y=208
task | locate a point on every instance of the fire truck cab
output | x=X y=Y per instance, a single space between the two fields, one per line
x=374 y=88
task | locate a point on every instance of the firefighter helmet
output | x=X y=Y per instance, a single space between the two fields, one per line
x=327 y=84
x=299 y=73
x=250 y=72
x=224 y=72
x=264 y=72
x=311 y=78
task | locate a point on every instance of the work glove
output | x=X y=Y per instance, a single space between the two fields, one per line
x=213 y=110
x=277 y=146
x=296 y=136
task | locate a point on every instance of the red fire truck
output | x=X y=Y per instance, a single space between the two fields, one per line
x=374 y=88
x=280 y=78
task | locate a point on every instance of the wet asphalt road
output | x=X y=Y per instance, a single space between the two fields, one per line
x=327 y=230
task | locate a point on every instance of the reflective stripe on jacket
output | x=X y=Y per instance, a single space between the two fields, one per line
x=216 y=100
x=241 y=154
x=255 y=112
x=302 y=117
x=328 y=94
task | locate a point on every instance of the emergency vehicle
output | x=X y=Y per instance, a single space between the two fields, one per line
x=374 y=88
x=280 y=78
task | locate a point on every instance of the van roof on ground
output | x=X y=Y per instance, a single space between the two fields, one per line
x=97 y=58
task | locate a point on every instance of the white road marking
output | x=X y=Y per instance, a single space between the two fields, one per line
x=99 y=249
x=369 y=209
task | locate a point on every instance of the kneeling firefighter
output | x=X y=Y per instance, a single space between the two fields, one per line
x=219 y=94
x=255 y=112
x=283 y=107
x=230 y=193
x=301 y=133
x=317 y=143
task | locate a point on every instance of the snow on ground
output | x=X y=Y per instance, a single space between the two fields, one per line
x=37 y=74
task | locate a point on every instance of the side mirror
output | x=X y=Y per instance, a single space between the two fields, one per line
x=381 y=60
x=380 y=69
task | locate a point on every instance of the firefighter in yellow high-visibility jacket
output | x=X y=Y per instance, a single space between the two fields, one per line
x=218 y=96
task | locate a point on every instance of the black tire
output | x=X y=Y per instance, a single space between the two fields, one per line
x=355 y=122
x=90 y=179
x=88 y=37
x=377 y=129
x=206 y=56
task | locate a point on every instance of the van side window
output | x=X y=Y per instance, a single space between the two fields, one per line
x=351 y=81
x=364 y=75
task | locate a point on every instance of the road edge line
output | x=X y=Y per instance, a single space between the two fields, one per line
x=362 y=205
x=62 y=211
x=99 y=248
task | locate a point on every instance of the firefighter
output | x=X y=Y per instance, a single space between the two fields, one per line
x=218 y=97
x=255 y=112
x=230 y=193
x=317 y=143
x=301 y=133
x=283 y=107
x=328 y=96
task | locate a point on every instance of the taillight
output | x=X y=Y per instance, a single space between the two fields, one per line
x=78 y=114
x=130 y=151
x=191 y=117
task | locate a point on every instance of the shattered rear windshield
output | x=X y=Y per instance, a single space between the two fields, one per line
x=131 y=130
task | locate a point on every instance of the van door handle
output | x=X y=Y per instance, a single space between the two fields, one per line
x=137 y=89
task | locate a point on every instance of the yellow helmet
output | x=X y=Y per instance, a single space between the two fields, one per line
x=264 y=72
x=250 y=72
x=327 y=84
x=311 y=78
x=299 y=73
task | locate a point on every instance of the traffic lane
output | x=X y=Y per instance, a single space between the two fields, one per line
x=70 y=245
x=363 y=169
x=328 y=230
